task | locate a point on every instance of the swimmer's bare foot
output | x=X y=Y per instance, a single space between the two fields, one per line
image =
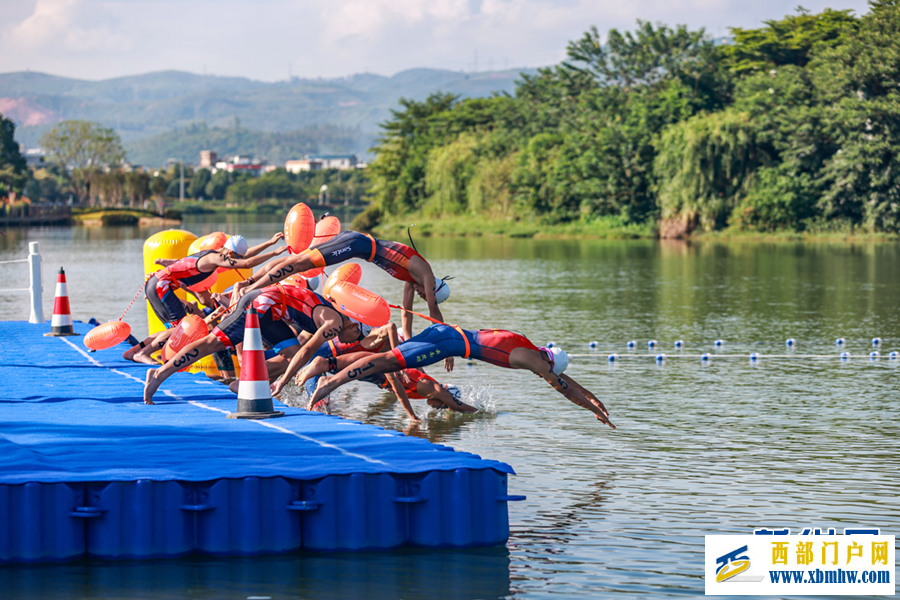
x=150 y=386
x=234 y=385
x=321 y=392
x=146 y=359
x=316 y=365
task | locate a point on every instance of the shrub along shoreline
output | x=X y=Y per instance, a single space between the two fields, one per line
x=789 y=129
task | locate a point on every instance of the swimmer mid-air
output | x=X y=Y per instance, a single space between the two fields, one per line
x=495 y=346
x=190 y=271
x=399 y=260
x=407 y=384
x=277 y=307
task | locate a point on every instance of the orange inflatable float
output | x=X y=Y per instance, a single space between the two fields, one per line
x=350 y=272
x=212 y=241
x=360 y=304
x=299 y=228
x=189 y=330
x=107 y=335
x=326 y=229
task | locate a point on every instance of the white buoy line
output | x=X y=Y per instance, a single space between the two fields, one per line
x=754 y=357
x=751 y=356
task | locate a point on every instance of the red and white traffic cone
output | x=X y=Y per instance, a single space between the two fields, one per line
x=254 y=397
x=61 y=322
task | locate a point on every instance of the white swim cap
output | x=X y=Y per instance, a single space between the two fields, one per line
x=313 y=283
x=237 y=244
x=441 y=290
x=454 y=391
x=558 y=357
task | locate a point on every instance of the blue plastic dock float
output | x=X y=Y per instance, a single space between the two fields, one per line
x=89 y=471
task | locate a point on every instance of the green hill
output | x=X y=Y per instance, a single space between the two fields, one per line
x=276 y=147
x=143 y=106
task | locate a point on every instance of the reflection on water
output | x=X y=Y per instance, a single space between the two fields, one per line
x=725 y=448
x=450 y=575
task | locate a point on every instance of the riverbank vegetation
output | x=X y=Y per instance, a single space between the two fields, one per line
x=792 y=127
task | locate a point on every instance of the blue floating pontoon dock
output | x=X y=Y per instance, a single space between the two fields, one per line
x=89 y=471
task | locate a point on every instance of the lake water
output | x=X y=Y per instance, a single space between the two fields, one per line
x=724 y=448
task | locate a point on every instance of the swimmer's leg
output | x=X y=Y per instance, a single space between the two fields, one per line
x=368 y=365
x=186 y=356
x=141 y=353
x=321 y=364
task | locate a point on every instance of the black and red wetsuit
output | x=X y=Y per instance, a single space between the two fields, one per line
x=160 y=288
x=392 y=257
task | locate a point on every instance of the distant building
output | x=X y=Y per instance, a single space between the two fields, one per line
x=306 y=164
x=35 y=158
x=244 y=164
x=208 y=159
x=337 y=161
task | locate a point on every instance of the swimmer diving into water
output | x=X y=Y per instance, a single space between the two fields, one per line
x=399 y=260
x=495 y=346
x=185 y=272
x=277 y=306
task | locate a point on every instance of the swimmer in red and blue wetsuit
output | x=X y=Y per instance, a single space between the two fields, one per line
x=406 y=385
x=495 y=346
x=398 y=260
x=277 y=306
x=189 y=271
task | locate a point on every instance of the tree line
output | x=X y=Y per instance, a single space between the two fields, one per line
x=792 y=126
x=86 y=164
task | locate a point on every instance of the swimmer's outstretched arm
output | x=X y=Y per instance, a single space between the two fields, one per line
x=406 y=317
x=397 y=387
x=520 y=358
x=330 y=328
x=259 y=248
x=244 y=263
x=273 y=272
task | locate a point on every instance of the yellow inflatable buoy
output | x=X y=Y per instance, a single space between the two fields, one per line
x=174 y=244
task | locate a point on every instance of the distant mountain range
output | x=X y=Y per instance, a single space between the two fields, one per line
x=176 y=114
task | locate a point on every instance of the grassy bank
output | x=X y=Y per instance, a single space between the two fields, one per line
x=605 y=228
x=109 y=217
x=191 y=207
x=463 y=225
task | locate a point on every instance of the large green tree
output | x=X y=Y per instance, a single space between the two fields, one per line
x=83 y=149
x=13 y=172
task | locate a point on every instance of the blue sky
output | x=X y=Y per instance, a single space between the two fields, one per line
x=268 y=39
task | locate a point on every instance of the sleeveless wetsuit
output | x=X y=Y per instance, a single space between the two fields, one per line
x=412 y=392
x=440 y=341
x=393 y=257
x=297 y=305
x=274 y=332
x=160 y=288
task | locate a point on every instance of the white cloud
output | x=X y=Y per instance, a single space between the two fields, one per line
x=68 y=25
x=105 y=38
